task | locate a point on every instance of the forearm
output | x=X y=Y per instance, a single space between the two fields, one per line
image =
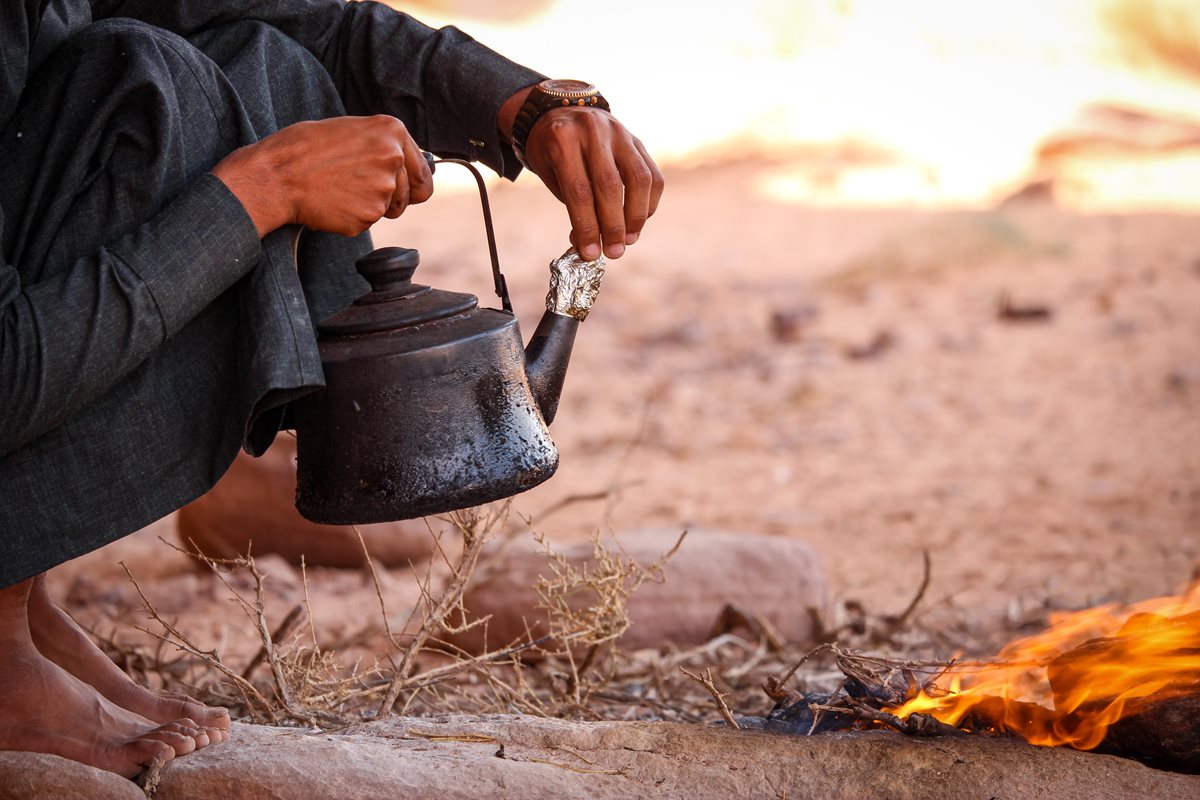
x=66 y=341
x=265 y=197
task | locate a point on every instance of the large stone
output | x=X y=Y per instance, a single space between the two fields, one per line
x=777 y=578
x=36 y=776
x=255 y=502
x=528 y=757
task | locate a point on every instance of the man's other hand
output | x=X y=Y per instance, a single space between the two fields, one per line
x=600 y=171
x=338 y=175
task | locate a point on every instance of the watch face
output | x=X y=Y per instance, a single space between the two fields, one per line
x=567 y=87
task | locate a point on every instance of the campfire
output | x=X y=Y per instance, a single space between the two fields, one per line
x=1120 y=679
x=1070 y=684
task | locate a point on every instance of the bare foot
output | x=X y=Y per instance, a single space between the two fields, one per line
x=45 y=709
x=61 y=640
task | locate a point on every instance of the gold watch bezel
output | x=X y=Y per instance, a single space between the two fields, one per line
x=572 y=90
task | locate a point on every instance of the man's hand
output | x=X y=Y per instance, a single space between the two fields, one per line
x=600 y=171
x=338 y=175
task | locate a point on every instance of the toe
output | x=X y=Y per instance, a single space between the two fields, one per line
x=216 y=735
x=180 y=743
x=145 y=753
x=188 y=728
x=208 y=716
x=218 y=718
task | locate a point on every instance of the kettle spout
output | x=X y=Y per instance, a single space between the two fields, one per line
x=546 y=360
x=574 y=284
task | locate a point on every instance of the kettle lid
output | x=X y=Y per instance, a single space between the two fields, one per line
x=394 y=300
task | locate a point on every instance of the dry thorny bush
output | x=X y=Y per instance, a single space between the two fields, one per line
x=575 y=670
x=293 y=680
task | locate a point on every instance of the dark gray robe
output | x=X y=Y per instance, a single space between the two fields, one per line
x=145 y=332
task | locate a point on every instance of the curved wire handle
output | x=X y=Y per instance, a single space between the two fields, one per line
x=497 y=275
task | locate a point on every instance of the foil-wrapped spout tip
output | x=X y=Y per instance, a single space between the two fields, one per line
x=574 y=284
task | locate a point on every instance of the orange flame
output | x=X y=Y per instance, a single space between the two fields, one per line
x=1070 y=683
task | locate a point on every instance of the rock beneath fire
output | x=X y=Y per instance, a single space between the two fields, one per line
x=36 y=776
x=1162 y=728
x=716 y=581
x=254 y=504
x=1164 y=734
x=504 y=756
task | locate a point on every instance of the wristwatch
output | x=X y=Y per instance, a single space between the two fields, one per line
x=547 y=96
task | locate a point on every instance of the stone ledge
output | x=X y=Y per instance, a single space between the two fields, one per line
x=545 y=758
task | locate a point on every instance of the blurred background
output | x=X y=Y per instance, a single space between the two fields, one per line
x=938 y=103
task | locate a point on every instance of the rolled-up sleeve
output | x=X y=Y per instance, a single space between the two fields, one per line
x=446 y=87
x=67 y=339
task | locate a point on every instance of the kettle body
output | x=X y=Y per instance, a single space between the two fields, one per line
x=431 y=403
x=410 y=428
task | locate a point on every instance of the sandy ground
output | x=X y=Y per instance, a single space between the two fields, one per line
x=841 y=376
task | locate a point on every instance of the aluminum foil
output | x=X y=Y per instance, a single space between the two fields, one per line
x=574 y=284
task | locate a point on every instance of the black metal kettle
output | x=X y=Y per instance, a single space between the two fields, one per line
x=431 y=404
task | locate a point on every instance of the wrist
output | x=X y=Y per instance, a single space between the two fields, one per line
x=251 y=177
x=508 y=112
x=546 y=97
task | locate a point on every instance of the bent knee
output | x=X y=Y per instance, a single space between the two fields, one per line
x=119 y=46
x=152 y=72
x=129 y=39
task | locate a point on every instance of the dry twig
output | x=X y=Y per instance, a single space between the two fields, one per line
x=706 y=680
x=474 y=525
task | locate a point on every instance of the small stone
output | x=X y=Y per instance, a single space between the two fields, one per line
x=1009 y=310
x=1181 y=380
x=881 y=343
x=789 y=325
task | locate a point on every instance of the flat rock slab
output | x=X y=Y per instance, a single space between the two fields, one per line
x=527 y=757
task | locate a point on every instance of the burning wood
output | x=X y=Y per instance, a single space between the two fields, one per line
x=1122 y=680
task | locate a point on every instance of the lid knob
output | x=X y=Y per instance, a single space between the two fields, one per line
x=388 y=268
